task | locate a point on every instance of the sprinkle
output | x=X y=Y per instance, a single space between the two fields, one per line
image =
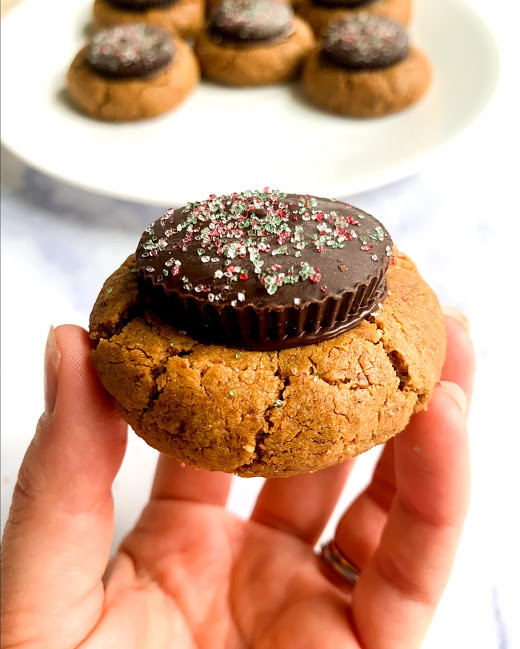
x=232 y=393
x=239 y=355
x=109 y=290
x=278 y=404
x=254 y=226
x=297 y=301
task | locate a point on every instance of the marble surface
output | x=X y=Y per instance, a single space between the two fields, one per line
x=459 y=219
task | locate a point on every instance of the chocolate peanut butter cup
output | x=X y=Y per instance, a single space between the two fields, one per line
x=264 y=270
x=345 y=4
x=133 y=50
x=141 y=5
x=250 y=21
x=365 y=42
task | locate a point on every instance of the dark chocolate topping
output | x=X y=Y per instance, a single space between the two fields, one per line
x=345 y=4
x=265 y=270
x=365 y=42
x=251 y=20
x=130 y=50
x=141 y=5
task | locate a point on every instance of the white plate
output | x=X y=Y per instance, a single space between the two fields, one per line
x=222 y=139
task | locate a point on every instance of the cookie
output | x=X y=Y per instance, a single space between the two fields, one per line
x=253 y=43
x=184 y=18
x=320 y=13
x=275 y=412
x=365 y=67
x=132 y=72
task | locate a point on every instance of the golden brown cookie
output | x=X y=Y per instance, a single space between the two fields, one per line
x=364 y=67
x=320 y=14
x=184 y=18
x=115 y=78
x=253 y=43
x=276 y=413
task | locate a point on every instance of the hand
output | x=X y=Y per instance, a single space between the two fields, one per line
x=191 y=574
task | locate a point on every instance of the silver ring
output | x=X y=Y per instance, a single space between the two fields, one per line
x=332 y=555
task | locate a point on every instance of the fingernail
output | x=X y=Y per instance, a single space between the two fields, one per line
x=456 y=392
x=453 y=312
x=51 y=367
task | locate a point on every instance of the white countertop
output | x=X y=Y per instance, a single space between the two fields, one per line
x=460 y=222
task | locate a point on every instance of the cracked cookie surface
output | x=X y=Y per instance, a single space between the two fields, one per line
x=269 y=413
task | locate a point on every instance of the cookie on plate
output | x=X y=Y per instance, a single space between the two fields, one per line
x=267 y=334
x=132 y=72
x=184 y=18
x=253 y=43
x=319 y=13
x=365 y=67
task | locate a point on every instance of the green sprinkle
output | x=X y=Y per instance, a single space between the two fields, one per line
x=109 y=290
x=231 y=393
x=133 y=270
x=172 y=343
x=238 y=355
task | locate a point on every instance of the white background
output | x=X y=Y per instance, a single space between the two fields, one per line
x=458 y=219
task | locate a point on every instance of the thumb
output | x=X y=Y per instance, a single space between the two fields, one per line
x=58 y=535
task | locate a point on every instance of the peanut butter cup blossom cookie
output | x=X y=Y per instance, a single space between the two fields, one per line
x=253 y=42
x=131 y=72
x=320 y=13
x=365 y=67
x=332 y=339
x=184 y=18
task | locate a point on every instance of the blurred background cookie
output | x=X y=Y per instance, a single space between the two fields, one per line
x=179 y=17
x=253 y=43
x=319 y=13
x=365 y=67
x=132 y=72
x=267 y=334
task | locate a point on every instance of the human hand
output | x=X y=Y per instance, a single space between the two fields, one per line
x=191 y=574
